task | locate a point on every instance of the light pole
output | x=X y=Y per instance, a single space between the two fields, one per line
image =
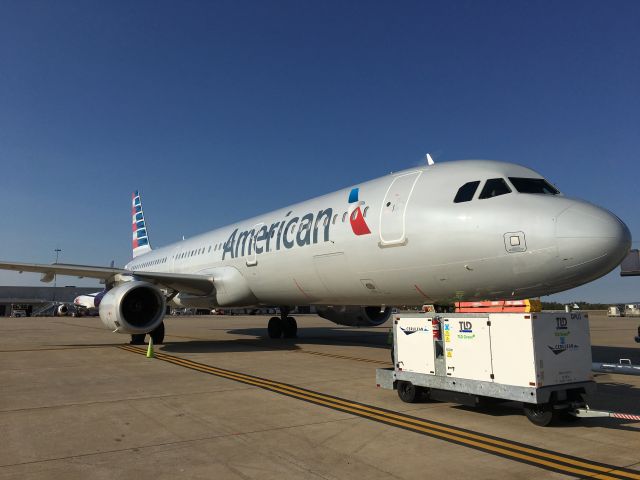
x=55 y=277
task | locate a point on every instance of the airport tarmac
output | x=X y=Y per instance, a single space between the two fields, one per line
x=220 y=400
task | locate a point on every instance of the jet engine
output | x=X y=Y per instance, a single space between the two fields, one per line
x=132 y=307
x=355 y=316
x=62 y=310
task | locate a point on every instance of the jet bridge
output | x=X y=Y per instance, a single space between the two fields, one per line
x=630 y=266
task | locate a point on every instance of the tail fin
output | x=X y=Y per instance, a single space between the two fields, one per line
x=140 y=242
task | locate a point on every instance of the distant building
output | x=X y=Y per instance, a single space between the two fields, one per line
x=30 y=299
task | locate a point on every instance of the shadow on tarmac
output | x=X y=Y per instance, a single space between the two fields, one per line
x=225 y=346
x=515 y=409
x=259 y=340
x=609 y=354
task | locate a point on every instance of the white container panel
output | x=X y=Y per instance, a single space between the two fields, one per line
x=414 y=345
x=512 y=349
x=562 y=347
x=467 y=347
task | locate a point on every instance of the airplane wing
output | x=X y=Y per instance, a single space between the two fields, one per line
x=182 y=282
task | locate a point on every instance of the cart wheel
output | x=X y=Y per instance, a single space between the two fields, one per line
x=541 y=415
x=408 y=392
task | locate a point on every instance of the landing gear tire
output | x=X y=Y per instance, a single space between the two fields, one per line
x=157 y=335
x=275 y=327
x=290 y=328
x=408 y=392
x=541 y=415
x=137 y=339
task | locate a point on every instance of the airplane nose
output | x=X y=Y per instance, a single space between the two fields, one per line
x=591 y=240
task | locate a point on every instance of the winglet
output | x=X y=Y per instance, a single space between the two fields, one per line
x=429 y=159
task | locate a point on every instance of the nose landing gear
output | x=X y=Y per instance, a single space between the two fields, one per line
x=283 y=326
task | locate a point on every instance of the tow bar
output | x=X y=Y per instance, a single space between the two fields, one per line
x=623 y=367
x=589 y=413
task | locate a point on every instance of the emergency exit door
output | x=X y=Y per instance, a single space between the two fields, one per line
x=394 y=209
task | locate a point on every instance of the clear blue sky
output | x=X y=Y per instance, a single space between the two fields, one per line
x=219 y=110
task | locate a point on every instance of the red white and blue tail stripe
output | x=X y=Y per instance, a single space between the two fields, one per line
x=140 y=241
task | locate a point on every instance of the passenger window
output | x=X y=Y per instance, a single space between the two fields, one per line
x=533 y=185
x=466 y=192
x=494 y=188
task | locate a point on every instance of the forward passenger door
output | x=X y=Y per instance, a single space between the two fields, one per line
x=394 y=209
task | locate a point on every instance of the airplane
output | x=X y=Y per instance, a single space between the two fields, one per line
x=88 y=304
x=444 y=232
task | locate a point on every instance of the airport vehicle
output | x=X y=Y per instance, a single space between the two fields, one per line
x=20 y=310
x=614 y=311
x=540 y=359
x=632 y=310
x=460 y=230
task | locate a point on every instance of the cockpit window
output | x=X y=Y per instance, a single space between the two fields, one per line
x=494 y=187
x=533 y=185
x=466 y=192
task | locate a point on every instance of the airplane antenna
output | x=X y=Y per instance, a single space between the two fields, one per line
x=429 y=159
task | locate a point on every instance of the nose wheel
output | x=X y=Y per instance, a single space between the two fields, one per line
x=283 y=326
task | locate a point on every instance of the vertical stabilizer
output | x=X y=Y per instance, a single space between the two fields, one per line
x=140 y=241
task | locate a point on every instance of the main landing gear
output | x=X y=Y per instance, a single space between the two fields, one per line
x=157 y=335
x=283 y=326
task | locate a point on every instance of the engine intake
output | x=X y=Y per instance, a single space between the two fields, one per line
x=355 y=316
x=133 y=308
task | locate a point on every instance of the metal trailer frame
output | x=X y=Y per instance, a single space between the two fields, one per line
x=387 y=378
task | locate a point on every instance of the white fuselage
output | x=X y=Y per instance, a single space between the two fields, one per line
x=401 y=239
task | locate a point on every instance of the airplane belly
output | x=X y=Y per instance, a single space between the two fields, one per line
x=286 y=279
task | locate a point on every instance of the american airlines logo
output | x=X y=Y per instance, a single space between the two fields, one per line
x=356 y=216
x=282 y=235
x=291 y=231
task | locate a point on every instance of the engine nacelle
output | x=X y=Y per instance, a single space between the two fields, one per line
x=355 y=316
x=62 y=310
x=133 y=308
